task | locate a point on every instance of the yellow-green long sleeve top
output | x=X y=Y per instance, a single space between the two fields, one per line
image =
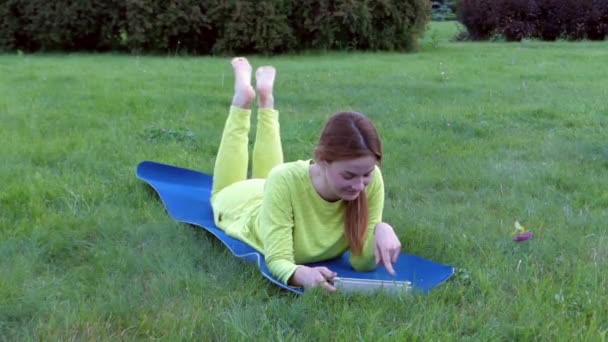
x=291 y=224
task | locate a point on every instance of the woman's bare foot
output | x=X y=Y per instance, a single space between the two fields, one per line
x=243 y=91
x=264 y=83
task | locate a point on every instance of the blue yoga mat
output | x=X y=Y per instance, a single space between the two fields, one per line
x=186 y=195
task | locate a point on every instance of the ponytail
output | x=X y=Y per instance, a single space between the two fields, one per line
x=355 y=223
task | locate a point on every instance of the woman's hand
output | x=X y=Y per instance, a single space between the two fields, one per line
x=309 y=277
x=386 y=246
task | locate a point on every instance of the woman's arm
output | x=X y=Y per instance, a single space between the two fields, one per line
x=276 y=222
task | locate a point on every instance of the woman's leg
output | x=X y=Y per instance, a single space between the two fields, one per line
x=267 y=149
x=232 y=157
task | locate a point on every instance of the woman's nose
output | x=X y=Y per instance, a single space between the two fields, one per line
x=359 y=185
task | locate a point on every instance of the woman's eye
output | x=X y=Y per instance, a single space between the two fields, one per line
x=347 y=177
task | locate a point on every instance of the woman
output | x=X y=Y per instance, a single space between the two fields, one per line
x=304 y=211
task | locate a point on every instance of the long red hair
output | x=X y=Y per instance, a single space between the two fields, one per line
x=350 y=135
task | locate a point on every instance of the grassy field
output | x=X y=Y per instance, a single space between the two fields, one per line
x=477 y=135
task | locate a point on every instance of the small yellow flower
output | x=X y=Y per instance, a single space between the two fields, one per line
x=519 y=229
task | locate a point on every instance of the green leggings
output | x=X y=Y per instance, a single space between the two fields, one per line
x=230 y=185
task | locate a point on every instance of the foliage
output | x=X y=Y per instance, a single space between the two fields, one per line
x=544 y=19
x=34 y=25
x=443 y=10
x=252 y=26
x=360 y=25
x=175 y=25
x=211 y=26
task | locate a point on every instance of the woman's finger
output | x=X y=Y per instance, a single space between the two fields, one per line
x=326 y=273
x=327 y=286
x=395 y=254
x=386 y=260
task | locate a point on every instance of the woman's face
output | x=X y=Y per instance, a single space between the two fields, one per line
x=347 y=178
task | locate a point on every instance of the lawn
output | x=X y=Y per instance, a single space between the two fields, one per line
x=476 y=136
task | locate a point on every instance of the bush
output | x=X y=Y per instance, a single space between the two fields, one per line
x=517 y=19
x=443 y=10
x=59 y=25
x=11 y=21
x=252 y=26
x=562 y=19
x=168 y=25
x=361 y=25
x=544 y=19
x=597 y=20
x=479 y=17
x=211 y=26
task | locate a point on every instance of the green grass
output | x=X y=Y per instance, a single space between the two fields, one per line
x=477 y=135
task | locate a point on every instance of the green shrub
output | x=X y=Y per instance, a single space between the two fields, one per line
x=59 y=24
x=443 y=10
x=161 y=25
x=211 y=26
x=11 y=21
x=252 y=26
x=365 y=25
